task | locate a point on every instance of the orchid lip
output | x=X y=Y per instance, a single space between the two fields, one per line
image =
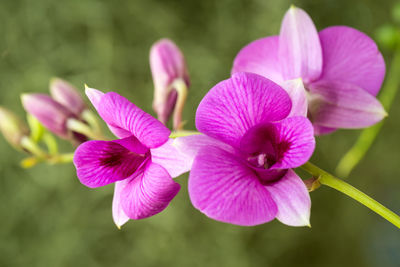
x=261 y=148
x=262 y=151
x=262 y=165
x=261 y=161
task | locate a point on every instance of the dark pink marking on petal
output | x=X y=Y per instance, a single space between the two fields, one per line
x=278 y=145
x=99 y=163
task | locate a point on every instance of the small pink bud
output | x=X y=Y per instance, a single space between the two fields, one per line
x=67 y=95
x=12 y=127
x=168 y=67
x=49 y=112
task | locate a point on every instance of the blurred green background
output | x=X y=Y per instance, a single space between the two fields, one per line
x=49 y=219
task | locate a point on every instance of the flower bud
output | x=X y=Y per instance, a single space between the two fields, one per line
x=170 y=78
x=67 y=95
x=49 y=112
x=12 y=127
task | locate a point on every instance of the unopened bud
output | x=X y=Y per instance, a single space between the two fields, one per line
x=171 y=80
x=49 y=112
x=67 y=95
x=12 y=127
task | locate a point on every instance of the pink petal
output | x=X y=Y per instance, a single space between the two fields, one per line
x=321 y=130
x=119 y=216
x=190 y=145
x=167 y=64
x=149 y=193
x=298 y=95
x=171 y=158
x=67 y=95
x=260 y=57
x=290 y=141
x=133 y=144
x=125 y=119
x=235 y=105
x=299 y=47
x=341 y=105
x=49 y=112
x=298 y=134
x=99 y=163
x=293 y=200
x=350 y=56
x=94 y=96
x=224 y=189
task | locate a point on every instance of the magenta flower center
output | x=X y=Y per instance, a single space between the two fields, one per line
x=262 y=149
x=264 y=159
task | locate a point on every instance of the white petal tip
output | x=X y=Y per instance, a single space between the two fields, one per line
x=54 y=80
x=94 y=95
x=120 y=224
x=293 y=8
x=23 y=96
x=306 y=222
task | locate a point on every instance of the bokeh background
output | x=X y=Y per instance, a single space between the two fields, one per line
x=47 y=218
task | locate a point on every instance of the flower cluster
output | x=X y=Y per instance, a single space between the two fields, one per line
x=254 y=128
x=54 y=111
x=63 y=113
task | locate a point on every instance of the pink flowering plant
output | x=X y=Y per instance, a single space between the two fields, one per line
x=254 y=129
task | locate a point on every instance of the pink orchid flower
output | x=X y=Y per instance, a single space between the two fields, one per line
x=341 y=69
x=241 y=171
x=141 y=163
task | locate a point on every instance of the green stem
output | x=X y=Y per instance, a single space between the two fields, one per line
x=328 y=179
x=182 y=133
x=368 y=136
x=51 y=143
x=91 y=119
x=29 y=145
x=62 y=158
x=83 y=128
x=180 y=86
